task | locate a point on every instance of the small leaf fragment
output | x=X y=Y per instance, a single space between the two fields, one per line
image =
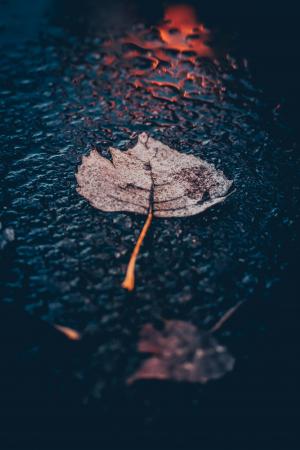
x=69 y=332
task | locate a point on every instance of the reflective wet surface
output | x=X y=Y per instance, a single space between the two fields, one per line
x=95 y=78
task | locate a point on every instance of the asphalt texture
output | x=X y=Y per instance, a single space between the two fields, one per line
x=69 y=83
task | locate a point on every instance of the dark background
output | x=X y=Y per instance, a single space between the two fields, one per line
x=254 y=408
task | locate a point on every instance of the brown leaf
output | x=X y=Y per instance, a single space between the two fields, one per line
x=152 y=174
x=181 y=352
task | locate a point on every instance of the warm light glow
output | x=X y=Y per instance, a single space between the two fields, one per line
x=171 y=60
x=181 y=31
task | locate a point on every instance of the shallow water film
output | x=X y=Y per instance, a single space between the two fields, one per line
x=79 y=77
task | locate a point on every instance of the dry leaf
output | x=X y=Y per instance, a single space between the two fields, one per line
x=182 y=353
x=150 y=178
x=151 y=174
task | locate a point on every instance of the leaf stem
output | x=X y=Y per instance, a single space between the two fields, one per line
x=129 y=280
x=226 y=316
